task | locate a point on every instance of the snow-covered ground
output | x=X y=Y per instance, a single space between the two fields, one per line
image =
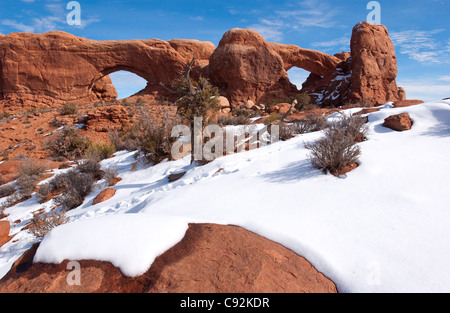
x=385 y=227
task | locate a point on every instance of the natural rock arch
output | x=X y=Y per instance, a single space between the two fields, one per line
x=246 y=67
x=57 y=67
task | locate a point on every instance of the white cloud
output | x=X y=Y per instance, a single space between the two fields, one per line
x=18 y=26
x=342 y=43
x=426 y=89
x=310 y=13
x=269 y=33
x=55 y=20
x=421 y=46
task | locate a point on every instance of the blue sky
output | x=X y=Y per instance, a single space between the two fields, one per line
x=419 y=29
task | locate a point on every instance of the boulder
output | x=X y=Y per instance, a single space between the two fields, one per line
x=176 y=176
x=281 y=108
x=104 y=196
x=209 y=259
x=399 y=122
x=4 y=232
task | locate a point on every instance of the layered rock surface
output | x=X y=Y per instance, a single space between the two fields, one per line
x=210 y=258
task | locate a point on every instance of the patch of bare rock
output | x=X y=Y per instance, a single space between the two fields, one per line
x=4 y=232
x=210 y=259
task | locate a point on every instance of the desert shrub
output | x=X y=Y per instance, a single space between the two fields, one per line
x=303 y=102
x=151 y=137
x=310 y=123
x=31 y=168
x=100 y=151
x=29 y=175
x=4 y=115
x=140 y=101
x=333 y=152
x=272 y=118
x=338 y=148
x=352 y=127
x=241 y=112
x=90 y=166
x=68 y=144
x=25 y=186
x=41 y=225
x=78 y=186
x=233 y=120
x=60 y=181
x=111 y=174
x=69 y=109
x=43 y=192
x=7 y=190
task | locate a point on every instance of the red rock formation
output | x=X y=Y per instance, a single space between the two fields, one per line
x=246 y=67
x=210 y=258
x=104 y=196
x=406 y=103
x=315 y=62
x=374 y=65
x=106 y=118
x=399 y=122
x=4 y=232
x=57 y=66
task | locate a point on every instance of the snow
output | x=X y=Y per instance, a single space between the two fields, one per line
x=130 y=241
x=383 y=228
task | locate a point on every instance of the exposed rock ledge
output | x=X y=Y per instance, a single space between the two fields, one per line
x=210 y=259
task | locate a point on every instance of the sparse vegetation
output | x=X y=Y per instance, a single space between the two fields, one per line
x=100 y=151
x=303 y=102
x=69 y=109
x=151 y=137
x=338 y=148
x=7 y=190
x=272 y=118
x=41 y=225
x=69 y=144
x=197 y=99
x=111 y=174
x=311 y=123
x=90 y=166
x=233 y=120
x=77 y=186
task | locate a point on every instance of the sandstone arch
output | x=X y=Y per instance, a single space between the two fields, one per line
x=312 y=61
x=57 y=67
x=246 y=67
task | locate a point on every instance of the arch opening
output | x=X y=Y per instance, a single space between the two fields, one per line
x=127 y=83
x=298 y=76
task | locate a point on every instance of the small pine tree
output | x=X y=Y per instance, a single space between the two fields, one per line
x=198 y=99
